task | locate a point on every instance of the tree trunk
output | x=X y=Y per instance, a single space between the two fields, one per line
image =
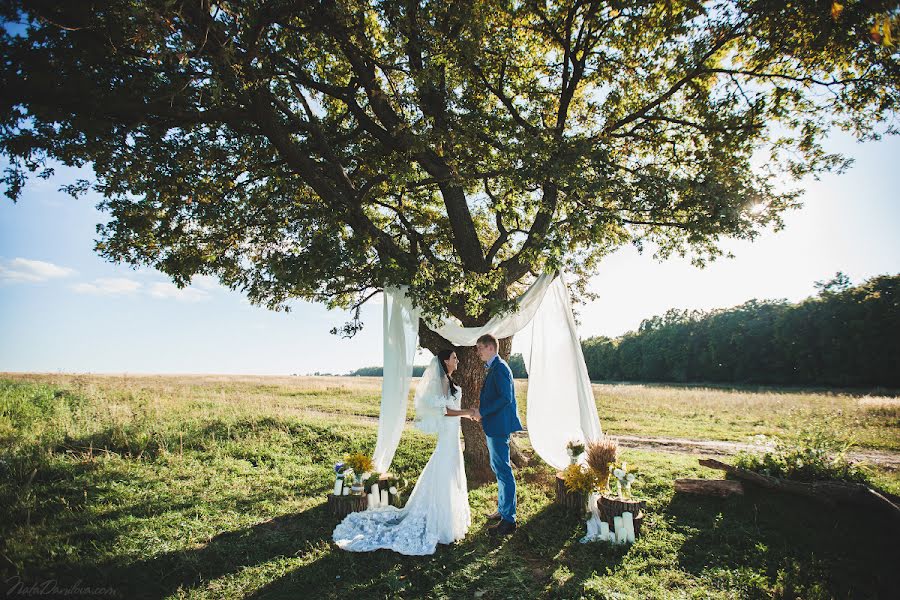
x=709 y=487
x=470 y=376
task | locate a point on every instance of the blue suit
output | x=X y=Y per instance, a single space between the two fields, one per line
x=499 y=418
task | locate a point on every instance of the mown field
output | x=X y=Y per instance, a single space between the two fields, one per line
x=696 y=412
x=214 y=487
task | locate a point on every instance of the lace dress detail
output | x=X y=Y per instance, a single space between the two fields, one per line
x=437 y=511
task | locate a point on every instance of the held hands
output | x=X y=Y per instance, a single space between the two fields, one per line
x=473 y=414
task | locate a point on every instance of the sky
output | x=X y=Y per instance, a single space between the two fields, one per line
x=64 y=309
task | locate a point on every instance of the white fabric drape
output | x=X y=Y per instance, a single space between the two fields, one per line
x=561 y=403
x=401 y=337
x=501 y=326
x=560 y=400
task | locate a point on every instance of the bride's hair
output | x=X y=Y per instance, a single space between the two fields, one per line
x=442 y=356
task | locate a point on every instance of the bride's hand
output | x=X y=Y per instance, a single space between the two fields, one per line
x=474 y=414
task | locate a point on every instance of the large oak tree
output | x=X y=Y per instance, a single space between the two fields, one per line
x=319 y=150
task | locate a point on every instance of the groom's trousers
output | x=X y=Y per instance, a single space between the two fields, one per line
x=498 y=447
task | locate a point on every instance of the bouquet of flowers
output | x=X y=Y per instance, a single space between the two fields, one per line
x=361 y=466
x=574 y=449
x=624 y=479
x=360 y=463
x=579 y=479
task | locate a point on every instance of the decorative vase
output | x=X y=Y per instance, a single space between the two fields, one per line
x=359 y=487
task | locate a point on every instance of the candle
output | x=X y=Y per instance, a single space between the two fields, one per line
x=338 y=485
x=371 y=500
x=618 y=524
x=384 y=497
x=346 y=491
x=604 y=530
x=376 y=492
x=628 y=521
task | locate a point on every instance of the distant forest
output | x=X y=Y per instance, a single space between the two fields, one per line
x=845 y=336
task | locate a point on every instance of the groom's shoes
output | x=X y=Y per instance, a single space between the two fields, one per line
x=495 y=516
x=502 y=528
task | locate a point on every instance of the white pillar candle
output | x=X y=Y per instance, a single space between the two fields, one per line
x=628 y=520
x=346 y=490
x=376 y=492
x=338 y=485
x=620 y=529
x=371 y=499
x=604 y=530
x=384 y=498
x=611 y=536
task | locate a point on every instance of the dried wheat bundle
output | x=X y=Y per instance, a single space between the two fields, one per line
x=600 y=454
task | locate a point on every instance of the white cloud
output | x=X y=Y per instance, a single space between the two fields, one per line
x=112 y=286
x=170 y=290
x=206 y=282
x=23 y=269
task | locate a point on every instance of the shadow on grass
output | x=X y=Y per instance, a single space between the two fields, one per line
x=804 y=548
x=229 y=552
x=478 y=566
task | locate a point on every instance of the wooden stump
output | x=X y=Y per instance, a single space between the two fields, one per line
x=614 y=507
x=341 y=506
x=575 y=501
x=609 y=507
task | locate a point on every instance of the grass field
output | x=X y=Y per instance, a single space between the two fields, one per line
x=649 y=410
x=214 y=487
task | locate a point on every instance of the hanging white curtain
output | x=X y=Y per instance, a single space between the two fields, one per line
x=401 y=337
x=561 y=403
x=560 y=400
x=500 y=326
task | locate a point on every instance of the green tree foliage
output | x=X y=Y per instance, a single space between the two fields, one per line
x=418 y=371
x=317 y=150
x=844 y=336
x=517 y=366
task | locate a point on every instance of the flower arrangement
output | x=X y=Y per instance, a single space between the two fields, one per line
x=624 y=479
x=579 y=479
x=574 y=449
x=360 y=463
x=340 y=468
x=600 y=455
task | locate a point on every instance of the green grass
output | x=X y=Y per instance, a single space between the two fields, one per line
x=188 y=495
x=696 y=412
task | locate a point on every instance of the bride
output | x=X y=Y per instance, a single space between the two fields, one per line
x=437 y=510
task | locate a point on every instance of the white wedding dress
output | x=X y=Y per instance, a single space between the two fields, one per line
x=437 y=511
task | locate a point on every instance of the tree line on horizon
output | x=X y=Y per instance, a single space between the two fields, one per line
x=844 y=336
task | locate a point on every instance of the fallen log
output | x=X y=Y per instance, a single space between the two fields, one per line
x=829 y=492
x=709 y=487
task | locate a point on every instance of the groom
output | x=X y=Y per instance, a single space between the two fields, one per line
x=499 y=419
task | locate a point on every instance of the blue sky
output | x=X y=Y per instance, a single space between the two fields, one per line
x=62 y=308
